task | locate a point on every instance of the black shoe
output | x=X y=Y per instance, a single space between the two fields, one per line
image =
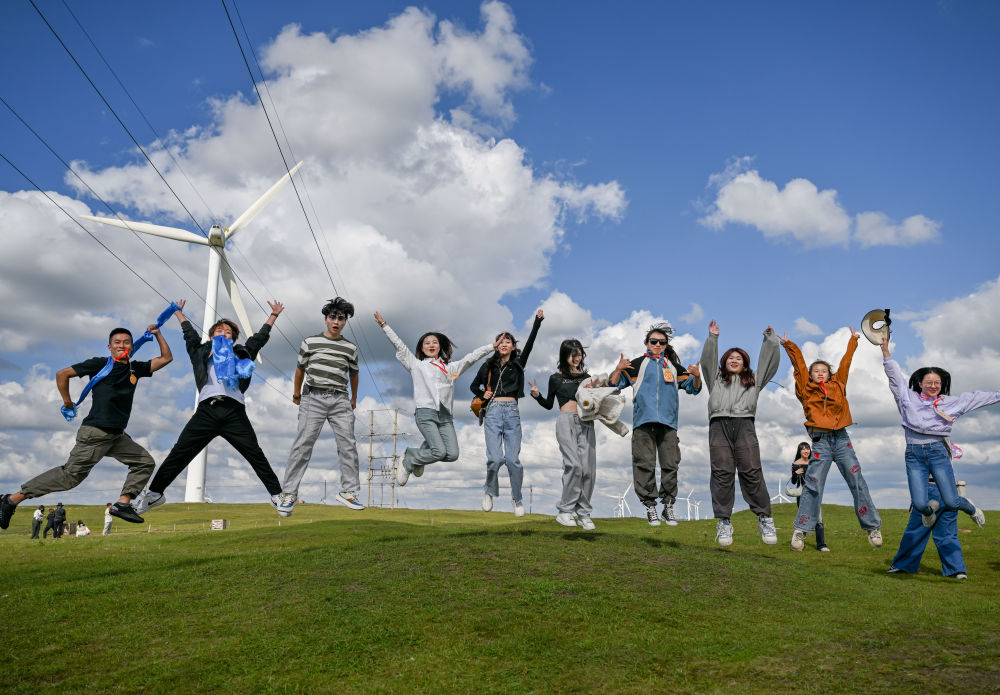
x=6 y=511
x=125 y=512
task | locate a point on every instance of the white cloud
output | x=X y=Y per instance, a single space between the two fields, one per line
x=696 y=314
x=803 y=212
x=876 y=229
x=806 y=327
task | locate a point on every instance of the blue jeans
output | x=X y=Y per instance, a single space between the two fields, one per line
x=933 y=459
x=834 y=446
x=503 y=447
x=945 y=530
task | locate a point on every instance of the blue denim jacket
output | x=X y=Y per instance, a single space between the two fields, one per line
x=656 y=401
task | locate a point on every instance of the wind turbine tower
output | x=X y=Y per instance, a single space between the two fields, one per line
x=218 y=265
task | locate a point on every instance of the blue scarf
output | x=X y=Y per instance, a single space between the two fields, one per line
x=70 y=413
x=229 y=369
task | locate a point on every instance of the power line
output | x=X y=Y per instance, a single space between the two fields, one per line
x=285 y=162
x=115 y=114
x=77 y=223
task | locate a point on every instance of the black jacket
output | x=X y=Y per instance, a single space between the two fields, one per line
x=199 y=352
x=512 y=384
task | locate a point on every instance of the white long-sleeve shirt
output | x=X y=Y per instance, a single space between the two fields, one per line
x=433 y=380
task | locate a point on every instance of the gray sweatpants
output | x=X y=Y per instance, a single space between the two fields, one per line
x=732 y=450
x=578 y=446
x=93 y=444
x=316 y=408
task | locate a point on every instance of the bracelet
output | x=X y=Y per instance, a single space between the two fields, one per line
x=274 y=314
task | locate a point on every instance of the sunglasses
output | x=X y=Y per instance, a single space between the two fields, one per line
x=337 y=317
x=657 y=341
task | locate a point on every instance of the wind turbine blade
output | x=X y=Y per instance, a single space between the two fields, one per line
x=252 y=211
x=154 y=229
x=229 y=282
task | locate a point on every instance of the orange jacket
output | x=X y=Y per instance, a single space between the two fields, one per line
x=825 y=405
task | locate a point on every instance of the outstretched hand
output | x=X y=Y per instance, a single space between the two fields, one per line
x=539 y=314
x=695 y=369
x=379 y=320
x=276 y=307
x=534 y=388
x=885 y=348
x=623 y=363
x=854 y=333
x=713 y=327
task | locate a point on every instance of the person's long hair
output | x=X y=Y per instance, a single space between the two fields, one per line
x=493 y=363
x=444 y=341
x=746 y=374
x=919 y=375
x=566 y=349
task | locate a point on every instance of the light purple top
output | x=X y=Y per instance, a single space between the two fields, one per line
x=918 y=411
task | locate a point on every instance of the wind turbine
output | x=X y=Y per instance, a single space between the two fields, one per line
x=690 y=504
x=697 y=510
x=218 y=265
x=780 y=497
x=622 y=505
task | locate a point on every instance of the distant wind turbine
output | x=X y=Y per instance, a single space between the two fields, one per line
x=218 y=265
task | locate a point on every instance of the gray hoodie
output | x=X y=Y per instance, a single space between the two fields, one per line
x=733 y=399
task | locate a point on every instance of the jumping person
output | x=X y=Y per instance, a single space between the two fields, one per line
x=733 y=390
x=500 y=382
x=326 y=363
x=799 y=467
x=222 y=375
x=434 y=378
x=929 y=412
x=823 y=394
x=916 y=535
x=655 y=378
x=576 y=437
x=102 y=432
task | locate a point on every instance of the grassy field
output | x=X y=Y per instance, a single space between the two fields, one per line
x=446 y=601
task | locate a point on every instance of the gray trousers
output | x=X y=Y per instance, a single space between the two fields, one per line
x=36 y=526
x=648 y=440
x=107 y=528
x=732 y=449
x=578 y=446
x=440 y=439
x=93 y=444
x=315 y=409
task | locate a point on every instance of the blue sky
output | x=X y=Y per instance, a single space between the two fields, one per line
x=791 y=164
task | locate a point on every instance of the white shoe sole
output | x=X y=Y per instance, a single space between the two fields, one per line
x=356 y=506
x=570 y=524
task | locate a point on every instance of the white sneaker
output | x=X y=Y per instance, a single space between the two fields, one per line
x=349 y=499
x=487 y=502
x=798 y=539
x=518 y=508
x=767 y=532
x=287 y=503
x=724 y=532
x=566 y=519
x=960 y=575
x=875 y=537
x=978 y=516
x=928 y=519
x=668 y=515
x=586 y=523
x=401 y=474
x=652 y=517
x=276 y=501
x=147 y=500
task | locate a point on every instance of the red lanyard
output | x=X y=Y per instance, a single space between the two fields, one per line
x=439 y=366
x=934 y=405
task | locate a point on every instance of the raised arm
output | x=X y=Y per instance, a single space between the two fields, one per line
x=710 y=355
x=166 y=357
x=845 y=361
x=623 y=368
x=798 y=363
x=769 y=359
x=970 y=400
x=522 y=358
x=458 y=366
x=257 y=341
x=403 y=354
x=897 y=380
x=192 y=338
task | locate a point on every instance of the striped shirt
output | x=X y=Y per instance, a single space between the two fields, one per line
x=328 y=363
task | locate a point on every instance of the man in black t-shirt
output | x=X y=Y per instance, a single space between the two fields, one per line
x=102 y=432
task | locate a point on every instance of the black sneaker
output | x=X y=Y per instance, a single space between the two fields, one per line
x=125 y=512
x=6 y=511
